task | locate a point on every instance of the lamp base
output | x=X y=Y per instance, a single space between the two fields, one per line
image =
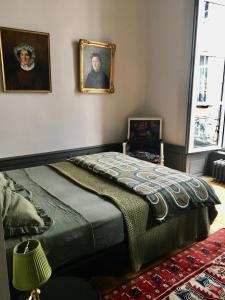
x=34 y=295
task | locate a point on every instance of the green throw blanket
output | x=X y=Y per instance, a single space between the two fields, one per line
x=169 y=192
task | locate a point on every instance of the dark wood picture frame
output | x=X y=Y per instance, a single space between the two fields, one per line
x=25 y=60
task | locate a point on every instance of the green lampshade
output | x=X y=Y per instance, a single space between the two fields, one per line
x=30 y=266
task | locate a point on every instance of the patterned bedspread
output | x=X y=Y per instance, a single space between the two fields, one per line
x=170 y=192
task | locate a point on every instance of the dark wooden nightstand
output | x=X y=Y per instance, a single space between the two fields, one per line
x=63 y=288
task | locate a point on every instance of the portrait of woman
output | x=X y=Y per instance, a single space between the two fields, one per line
x=25 y=61
x=96 y=67
x=97 y=78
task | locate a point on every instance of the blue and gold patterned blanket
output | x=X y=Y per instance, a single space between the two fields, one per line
x=170 y=192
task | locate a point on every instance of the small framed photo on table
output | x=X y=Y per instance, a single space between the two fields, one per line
x=25 y=61
x=96 y=67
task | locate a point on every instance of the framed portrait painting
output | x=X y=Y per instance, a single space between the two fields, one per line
x=25 y=60
x=96 y=67
x=143 y=127
x=145 y=134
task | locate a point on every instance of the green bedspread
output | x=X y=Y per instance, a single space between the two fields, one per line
x=145 y=243
x=169 y=192
x=69 y=228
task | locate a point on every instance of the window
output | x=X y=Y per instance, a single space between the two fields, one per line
x=206 y=121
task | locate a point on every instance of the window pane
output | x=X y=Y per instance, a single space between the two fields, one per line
x=210 y=70
x=207 y=124
x=211 y=26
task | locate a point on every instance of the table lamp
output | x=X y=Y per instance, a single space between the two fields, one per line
x=30 y=267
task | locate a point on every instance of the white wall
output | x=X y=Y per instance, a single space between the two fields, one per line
x=152 y=66
x=35 y=123
x=169 y=47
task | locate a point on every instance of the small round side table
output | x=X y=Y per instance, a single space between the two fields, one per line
x=66 y=288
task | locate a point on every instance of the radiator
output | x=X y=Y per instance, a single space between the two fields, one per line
x=218 y=172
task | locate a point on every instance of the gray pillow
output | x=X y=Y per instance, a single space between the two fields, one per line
x=19 y=214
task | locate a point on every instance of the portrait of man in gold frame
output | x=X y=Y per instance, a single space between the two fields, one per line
x=96 y=67
x=25 y=60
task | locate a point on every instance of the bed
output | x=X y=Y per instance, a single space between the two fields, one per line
x=87 y=221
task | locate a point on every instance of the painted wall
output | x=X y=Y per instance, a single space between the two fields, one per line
x=153 y=53
x=35 y=123
x=169 y=47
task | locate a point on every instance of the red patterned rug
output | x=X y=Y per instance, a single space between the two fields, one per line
x=198 y=272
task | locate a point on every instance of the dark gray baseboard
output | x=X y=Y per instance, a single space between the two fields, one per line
x=25 y=161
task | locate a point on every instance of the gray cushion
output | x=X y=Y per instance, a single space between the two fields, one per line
x=19 y=214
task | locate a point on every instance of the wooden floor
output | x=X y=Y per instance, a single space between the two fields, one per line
x=117 y=277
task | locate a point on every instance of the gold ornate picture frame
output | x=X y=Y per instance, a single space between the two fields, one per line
x=25 y=61
x=96 y=67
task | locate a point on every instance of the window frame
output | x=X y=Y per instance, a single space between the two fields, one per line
x=194 y=88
